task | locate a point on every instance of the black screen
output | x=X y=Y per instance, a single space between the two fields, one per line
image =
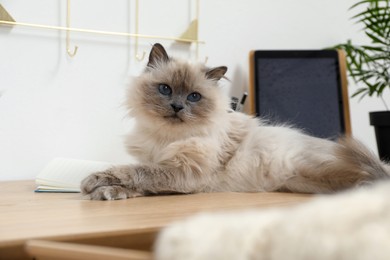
x=301 y=88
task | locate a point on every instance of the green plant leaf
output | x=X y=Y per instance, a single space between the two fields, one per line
x=366 y=1
x=375 y=39
x=372 y=88
x=381 y=88
x=369 y=64
x=368 y=12
x=359 y=92
x=376 y=22
x=373 y=48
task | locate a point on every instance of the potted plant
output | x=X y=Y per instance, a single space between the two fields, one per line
x=369 y=65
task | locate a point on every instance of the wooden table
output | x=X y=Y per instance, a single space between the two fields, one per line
x=131 y=224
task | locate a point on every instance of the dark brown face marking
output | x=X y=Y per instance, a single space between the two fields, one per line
x=216 y=73
x=177 y=107
x=182 y=81
x=157 y=55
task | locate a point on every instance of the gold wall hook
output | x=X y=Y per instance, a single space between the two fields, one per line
x=72 y=53
x=142 y=57
x=137 y=56
x=68 y=49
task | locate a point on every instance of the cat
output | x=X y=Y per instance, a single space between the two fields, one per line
x=187 y=141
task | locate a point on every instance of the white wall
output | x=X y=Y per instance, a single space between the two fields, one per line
x=52 y=105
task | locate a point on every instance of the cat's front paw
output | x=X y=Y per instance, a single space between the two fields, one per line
x=113 y=192
x=106 y=186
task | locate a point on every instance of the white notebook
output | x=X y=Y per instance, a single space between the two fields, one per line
x=65 y=175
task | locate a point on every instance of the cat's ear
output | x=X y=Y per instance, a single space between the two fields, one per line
x=157 y=55
x=216 y=73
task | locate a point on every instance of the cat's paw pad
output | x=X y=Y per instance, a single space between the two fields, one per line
x=111 y=193
x=107 y=185
x=96 y=180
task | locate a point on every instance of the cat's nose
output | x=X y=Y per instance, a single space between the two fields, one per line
x=176 y=107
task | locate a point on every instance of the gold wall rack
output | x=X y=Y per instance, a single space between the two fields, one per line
x=190 y=36
x=72 y=29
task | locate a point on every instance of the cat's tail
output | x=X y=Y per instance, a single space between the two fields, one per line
x=356 y=155
x=352 y=165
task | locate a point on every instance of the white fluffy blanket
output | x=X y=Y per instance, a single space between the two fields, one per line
x=351 y=225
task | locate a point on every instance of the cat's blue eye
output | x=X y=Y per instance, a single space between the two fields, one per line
x=194 y=97
x=164 y=89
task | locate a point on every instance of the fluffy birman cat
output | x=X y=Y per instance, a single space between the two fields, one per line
x=187 y=141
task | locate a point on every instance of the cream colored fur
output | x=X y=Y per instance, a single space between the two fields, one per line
x=349 y=226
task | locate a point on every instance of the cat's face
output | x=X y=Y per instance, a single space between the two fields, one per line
x=175 y=92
